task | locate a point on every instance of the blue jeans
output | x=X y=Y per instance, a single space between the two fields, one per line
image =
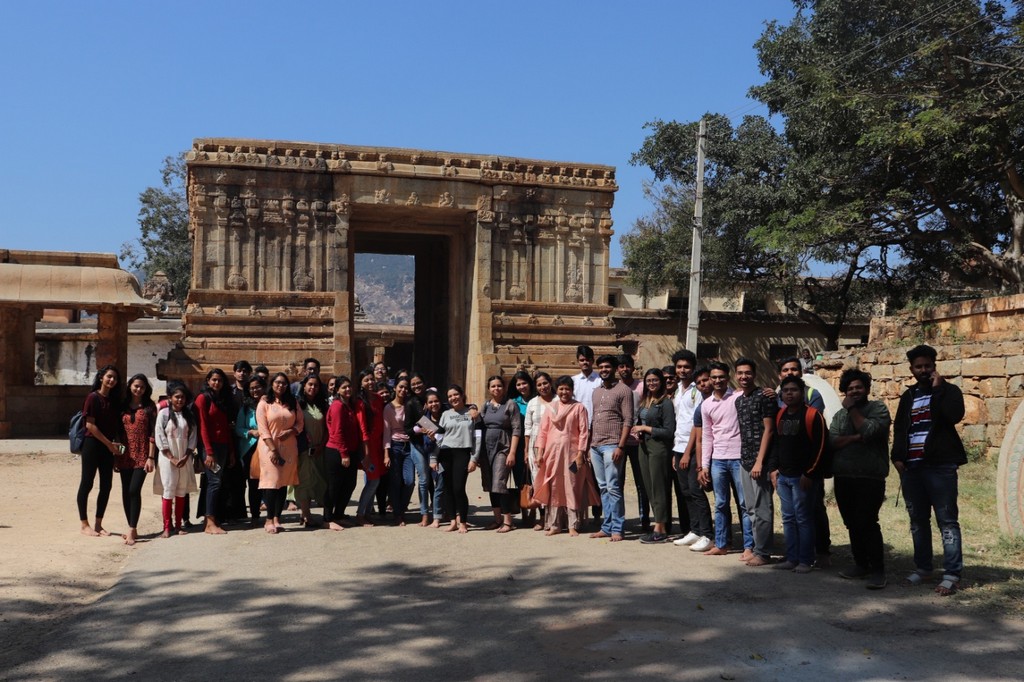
x=722 y=472
x=403 y=476
x=609 y=475
x=927 y=487
x=428 y=479
x=797 y=519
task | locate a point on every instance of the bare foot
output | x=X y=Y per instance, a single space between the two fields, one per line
x=436 y=524
x=131 y=537
x=747 y=555
x=424 y=521
x=493 y=526
x=335 y=526
x=554 y=531
x=616 y=537
x=538 y=526
x=88 y=531
x=166 y=533
x=506 y=528
x=716 y=551
x=182 y=531
x=292 y=507
x=214 y=529
x=463 y=528
x=573 y=533
x=101 y=532
x=454 y=526
x=270 y=528
x=758 y=561
x=600 y=534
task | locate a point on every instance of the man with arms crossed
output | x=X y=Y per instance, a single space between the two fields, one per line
x=687 y=401
x=612 y=420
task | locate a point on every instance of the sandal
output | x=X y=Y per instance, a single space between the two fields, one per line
x=948 y=585
x=915 y=579
x=506 y=528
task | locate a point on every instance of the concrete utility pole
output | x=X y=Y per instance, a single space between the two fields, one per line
x=693 y=311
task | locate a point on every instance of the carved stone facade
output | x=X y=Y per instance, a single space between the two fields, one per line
x=516 y=252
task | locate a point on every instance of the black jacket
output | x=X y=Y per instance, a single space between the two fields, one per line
x=943 y=444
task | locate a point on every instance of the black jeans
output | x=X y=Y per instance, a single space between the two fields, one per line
x=274 y=498
x=131 y=494
x=341 y=482
x=216 y=498
x=822 y=534
x=455 y=462
x=859 y=500
x=95 y=458
x=698 y=507
x=633 y=455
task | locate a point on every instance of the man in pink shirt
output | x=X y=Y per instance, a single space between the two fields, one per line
x=721 y=446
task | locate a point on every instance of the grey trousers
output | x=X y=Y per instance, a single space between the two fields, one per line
x=761 y=511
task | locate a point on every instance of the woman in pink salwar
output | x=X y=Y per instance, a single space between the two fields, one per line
x=279 y=421
x=565 y=484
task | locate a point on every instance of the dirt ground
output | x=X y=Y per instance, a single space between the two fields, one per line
x=414 y=603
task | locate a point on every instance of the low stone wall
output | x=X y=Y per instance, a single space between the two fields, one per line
x=990 y=374
x=979 y=345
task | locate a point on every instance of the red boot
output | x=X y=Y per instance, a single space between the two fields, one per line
x=179 y=512
x=167 y=518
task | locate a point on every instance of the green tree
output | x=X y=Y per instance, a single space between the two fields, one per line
x=907 y=118
x=164 y=242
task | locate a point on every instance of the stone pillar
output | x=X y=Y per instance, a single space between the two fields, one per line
x=17 y=366
x=480 y=361
x=112 y=341
x=340 y=272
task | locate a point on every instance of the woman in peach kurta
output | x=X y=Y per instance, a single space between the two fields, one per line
x=565 y=484
x=279 y=421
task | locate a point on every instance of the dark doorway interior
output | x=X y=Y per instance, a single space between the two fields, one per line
x=433 y=299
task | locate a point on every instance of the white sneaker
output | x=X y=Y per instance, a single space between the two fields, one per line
x=686 y=540
x=702 y=545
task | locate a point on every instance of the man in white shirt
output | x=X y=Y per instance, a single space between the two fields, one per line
x=686 y=402
x=587 y=380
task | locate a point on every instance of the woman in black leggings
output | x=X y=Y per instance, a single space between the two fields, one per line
x=138 y=417
x=102 y=441
x=454 y=457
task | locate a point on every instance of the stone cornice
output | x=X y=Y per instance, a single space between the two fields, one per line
x=387 y=161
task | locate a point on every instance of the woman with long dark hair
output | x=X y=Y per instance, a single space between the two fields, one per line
x=398 y=455
x=521 y=391
x=247 y=432
x=312 y=479
x=138 y=418
x=503 y=429
x=214 y=408
x=427 y=445
x=430 y=483
x=102 y=441
x=176 y=435
x=454 y=458
x=544 y=402
x=371 y=418
x=655 y=429
x=280 y=421
x=343 y=453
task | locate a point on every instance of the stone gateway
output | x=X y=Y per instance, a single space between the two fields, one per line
x=511 y=256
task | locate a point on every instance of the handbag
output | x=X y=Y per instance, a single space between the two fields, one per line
x=198 y=464
x=526 y=500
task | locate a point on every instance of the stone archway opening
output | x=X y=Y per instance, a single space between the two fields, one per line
x=440 y=244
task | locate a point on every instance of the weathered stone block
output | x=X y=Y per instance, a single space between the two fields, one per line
x=975 y=410
x=984 y=367
x=949 y=368
x=1015 y=386
x=1015 y=365
x=974 y=433
x=996 y=410
x=881 y=372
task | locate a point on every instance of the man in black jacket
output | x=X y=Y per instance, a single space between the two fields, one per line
x=927 y=451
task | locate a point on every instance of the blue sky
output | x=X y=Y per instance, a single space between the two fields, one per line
x=96 y=94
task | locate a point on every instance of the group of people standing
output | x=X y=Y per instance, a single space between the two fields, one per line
x=552 y=450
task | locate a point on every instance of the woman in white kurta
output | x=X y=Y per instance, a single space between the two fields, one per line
x=175 y=437
x=565 y=484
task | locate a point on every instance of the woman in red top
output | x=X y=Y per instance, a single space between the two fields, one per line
x=344 y=450
x=371 y=420
x=138 y=418
x=102 y=442
x=213 y=409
